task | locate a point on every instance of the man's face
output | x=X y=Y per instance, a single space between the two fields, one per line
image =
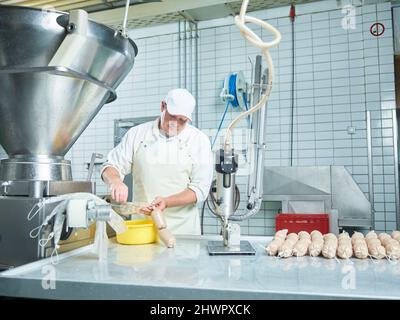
x=170 y=124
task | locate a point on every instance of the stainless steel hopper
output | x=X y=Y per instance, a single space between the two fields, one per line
x=55 y=76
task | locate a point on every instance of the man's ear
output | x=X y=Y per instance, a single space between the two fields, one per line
x=163 y=106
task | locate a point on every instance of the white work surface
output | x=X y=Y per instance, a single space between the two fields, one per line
x=188 y=272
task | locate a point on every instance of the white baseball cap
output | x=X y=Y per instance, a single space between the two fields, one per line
x=180 y=102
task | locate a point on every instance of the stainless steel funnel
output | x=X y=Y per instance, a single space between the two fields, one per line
x=56 y=73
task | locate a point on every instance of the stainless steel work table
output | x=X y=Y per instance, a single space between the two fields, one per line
x=188 y=272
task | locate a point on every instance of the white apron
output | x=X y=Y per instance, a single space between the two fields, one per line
x=163 y=168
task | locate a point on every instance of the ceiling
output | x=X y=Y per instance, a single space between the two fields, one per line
x=144 y=13
x=66 y=5
x=168 y=11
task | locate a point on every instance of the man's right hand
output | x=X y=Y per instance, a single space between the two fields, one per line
x=119 y=191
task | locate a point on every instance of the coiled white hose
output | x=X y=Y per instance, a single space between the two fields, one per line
x=255 y=40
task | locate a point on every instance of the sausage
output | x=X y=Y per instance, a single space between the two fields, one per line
x=345 y=248
x=330 y=246
x=317 y=243
x=274 y=246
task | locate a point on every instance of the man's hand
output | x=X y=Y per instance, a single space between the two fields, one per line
x=183 y=198
x=159 y=203
x=119 y=191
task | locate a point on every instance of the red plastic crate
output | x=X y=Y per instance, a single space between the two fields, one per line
x=302 y=222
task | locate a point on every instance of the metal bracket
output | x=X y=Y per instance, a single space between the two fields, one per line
x=5 y=185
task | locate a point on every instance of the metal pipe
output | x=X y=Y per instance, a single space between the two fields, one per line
x=196 y=59
x=261 y=142
x=51 y=3
x=34 y=3
x=190 y=56
x=292 y=97
x=259 y=123
x=396 y=42
x=179 y=54
x=91 y=165
x=79 y=5
x=251 y=152
x=396 y=166
x=185 y=56
x=370 y=169
x=255 y=97
x=12 y=2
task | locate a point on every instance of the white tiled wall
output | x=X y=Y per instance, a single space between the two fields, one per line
x=340 y=74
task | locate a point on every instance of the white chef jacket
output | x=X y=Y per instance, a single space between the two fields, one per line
x=121 y=156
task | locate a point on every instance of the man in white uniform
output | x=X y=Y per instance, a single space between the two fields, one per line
x=171 y=163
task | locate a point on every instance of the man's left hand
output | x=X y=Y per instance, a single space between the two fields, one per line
x=159 y=203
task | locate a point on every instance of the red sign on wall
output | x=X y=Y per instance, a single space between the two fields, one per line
x=377 y=29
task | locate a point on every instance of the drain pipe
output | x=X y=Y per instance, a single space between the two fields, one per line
x=396 y=113
x=196 y=69
x=185 y=55
x=190 y=56
x=179 y=54
x=292 y=15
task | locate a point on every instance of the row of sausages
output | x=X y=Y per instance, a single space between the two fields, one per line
x=343 y=246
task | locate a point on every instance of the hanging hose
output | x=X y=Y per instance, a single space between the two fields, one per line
x=220 y=124
x=250 y=36
x=233 y=92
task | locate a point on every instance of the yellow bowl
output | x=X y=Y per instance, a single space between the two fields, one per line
x=139 y=232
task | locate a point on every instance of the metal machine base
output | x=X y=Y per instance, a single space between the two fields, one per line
x=217 y=248
x=35 y=168
x=17 y=198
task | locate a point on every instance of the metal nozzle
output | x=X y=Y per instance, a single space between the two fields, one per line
x=98 y=212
